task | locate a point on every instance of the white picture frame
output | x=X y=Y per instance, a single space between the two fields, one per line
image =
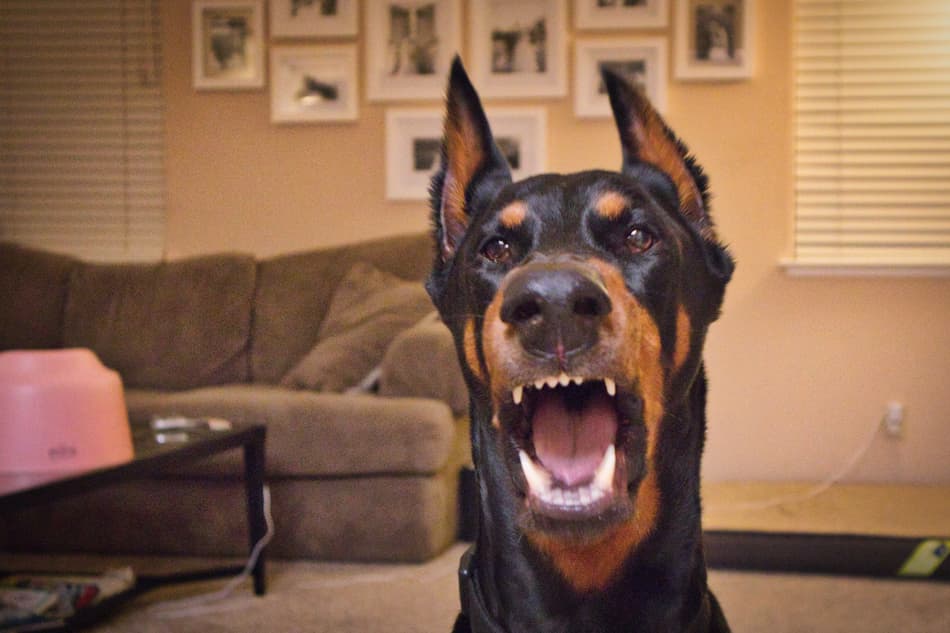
x=598 y=15
x=227 y=51
x=315 y=83
x=313 y=18
x=409 y=47
x=715 y=39
x=413 y=151
x=414 y=142
x=519 y=47
x=643 y=60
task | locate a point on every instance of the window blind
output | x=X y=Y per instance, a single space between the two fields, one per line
x=81 y=136
x=872 y=133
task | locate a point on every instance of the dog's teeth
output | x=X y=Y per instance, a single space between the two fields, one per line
x=539 y=384
x=516 y=394
x=539 y=481
x=552 y=382
x=577 y=381
x=611 y=387
x=604 y=477
x=563 y=380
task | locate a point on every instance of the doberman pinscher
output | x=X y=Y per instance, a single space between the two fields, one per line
x=579 y=304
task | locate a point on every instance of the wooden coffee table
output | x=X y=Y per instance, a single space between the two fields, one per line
x=152 y=457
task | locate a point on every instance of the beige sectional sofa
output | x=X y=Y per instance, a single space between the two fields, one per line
x=362 y=465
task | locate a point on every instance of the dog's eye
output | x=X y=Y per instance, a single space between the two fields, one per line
x=640 y=240
x=497 y=251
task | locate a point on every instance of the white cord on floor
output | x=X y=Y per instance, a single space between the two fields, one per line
x=205 y=603
x=835 y=478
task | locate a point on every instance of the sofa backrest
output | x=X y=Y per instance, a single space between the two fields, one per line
x=33 y=286
x=294 y=292
x=171 y=325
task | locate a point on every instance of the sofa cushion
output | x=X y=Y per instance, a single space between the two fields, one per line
x=33 y=290
x=406 y=369
x=172 y=325
x=316 y=434
x=368 y=310
x=294 y=291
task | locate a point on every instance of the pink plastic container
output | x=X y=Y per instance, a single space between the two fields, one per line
x=60 y=410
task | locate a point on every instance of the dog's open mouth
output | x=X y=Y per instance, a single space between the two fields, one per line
x=571 y=435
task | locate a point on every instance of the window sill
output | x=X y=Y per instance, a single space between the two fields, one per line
x=796 y=268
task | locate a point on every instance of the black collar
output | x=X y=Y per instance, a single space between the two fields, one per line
x=481 y=621
x=470 y=596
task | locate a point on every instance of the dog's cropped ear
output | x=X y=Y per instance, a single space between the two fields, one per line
x=471 y=162
x=645 y=138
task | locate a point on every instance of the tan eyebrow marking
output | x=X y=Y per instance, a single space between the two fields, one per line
x=513 y=215
x=611 y=204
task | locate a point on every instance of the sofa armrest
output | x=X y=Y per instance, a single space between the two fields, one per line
x=421 y=363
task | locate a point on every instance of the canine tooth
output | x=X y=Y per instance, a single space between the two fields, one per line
x=611 y=387
x=538 y=480
x=563 y=380
x=604 y=477
x=517 y=393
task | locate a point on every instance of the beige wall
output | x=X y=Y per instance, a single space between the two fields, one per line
x=800 y=369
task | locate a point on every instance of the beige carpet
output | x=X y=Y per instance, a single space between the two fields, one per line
x=325 y=598
x=309 y=597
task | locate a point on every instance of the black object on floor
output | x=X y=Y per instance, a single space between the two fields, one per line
x=832 y=554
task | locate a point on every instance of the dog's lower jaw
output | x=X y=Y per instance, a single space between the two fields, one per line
x=589 y=565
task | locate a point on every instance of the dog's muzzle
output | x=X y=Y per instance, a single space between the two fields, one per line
x=556 y=308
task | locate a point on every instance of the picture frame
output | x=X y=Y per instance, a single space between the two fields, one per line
x=598 y=15
x=409 y=47
x=414 y=142
x=313 y=18
x=714 y=39
x=314 y=83
x=519 y=47
x=413 y=151
x=642 y=60
x=227 y=44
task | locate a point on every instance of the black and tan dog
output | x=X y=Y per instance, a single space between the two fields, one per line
x=579 y=304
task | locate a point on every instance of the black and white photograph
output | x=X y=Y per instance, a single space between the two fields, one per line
x=314 y=84
x=714 y=39
x=519 y=37
x=313 y=18
x=413 y=41
x=227 y=45
x=641 y=60
x=410 y=44
x=620 y=14
x=518 y=47
x=425 y=153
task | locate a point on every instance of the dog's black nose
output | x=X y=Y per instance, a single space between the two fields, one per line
x=555 y=307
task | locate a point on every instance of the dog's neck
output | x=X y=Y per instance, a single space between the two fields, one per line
x=661 y=588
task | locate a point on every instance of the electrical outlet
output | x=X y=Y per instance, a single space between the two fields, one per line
x=894 y=420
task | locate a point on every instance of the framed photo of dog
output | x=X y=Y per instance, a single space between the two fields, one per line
x=227 y=51
x=519 y=49
x=409 y=47
x=641 y=61
x=714 y=39
x=313 y=84
x=414 y=146
x=313 y=18
x=620 y=14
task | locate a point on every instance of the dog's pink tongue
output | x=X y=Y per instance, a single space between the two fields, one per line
x=570 y=442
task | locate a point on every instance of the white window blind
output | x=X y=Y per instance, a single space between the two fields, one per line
x=872 y=133
x=81 y=138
